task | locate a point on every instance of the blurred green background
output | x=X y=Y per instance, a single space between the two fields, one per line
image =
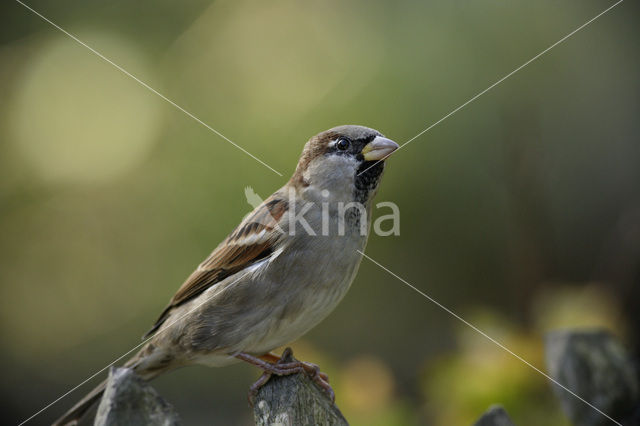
x=521 y=212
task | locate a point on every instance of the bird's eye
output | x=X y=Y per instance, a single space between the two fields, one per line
x=343 y=144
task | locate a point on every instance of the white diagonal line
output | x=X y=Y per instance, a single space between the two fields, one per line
x=168 y=326
x=491 y=339
x=101 y=56
x=497 y=82
x=83 y=382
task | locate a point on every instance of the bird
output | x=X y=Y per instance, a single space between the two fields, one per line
x=278 y=274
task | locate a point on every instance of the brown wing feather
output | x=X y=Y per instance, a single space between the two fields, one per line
x=242 y=248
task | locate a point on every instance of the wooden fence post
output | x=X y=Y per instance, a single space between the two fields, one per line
x=294 y=400
x=594 y=365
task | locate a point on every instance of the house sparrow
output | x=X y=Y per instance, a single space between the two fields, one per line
x=278 y=274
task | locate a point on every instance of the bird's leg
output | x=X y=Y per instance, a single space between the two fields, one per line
x=314 y=373
x=268 y=368
x=272 y=358
x=311 y=369
x=284 y=366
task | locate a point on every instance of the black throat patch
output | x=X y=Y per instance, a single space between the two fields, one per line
x=367 y=182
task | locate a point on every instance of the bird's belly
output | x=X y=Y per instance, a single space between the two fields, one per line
x=282 y=326
x=305 y=301
x=288 y=327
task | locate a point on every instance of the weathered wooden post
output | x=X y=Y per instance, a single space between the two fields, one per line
x=129 y=400
x=294 y=400
x=594 y=365
x=281 y=401
x=494 y=416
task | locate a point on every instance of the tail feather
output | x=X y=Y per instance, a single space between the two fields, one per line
x=77 y=412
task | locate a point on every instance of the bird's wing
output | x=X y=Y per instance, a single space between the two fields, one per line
x=251 y=241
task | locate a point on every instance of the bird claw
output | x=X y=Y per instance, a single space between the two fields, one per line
x=285 y=366
x=253 y=390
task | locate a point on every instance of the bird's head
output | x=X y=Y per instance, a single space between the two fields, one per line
x=348 y=161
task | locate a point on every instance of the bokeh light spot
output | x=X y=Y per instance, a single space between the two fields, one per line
x=77 y=118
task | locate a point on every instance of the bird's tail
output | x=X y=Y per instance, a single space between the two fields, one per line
x=77 y=412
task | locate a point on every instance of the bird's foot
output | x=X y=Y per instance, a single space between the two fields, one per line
x=284 y=366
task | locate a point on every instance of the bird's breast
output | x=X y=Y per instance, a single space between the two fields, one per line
x=309 y=279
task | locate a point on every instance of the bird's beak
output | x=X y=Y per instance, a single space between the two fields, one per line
x=379 y=149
